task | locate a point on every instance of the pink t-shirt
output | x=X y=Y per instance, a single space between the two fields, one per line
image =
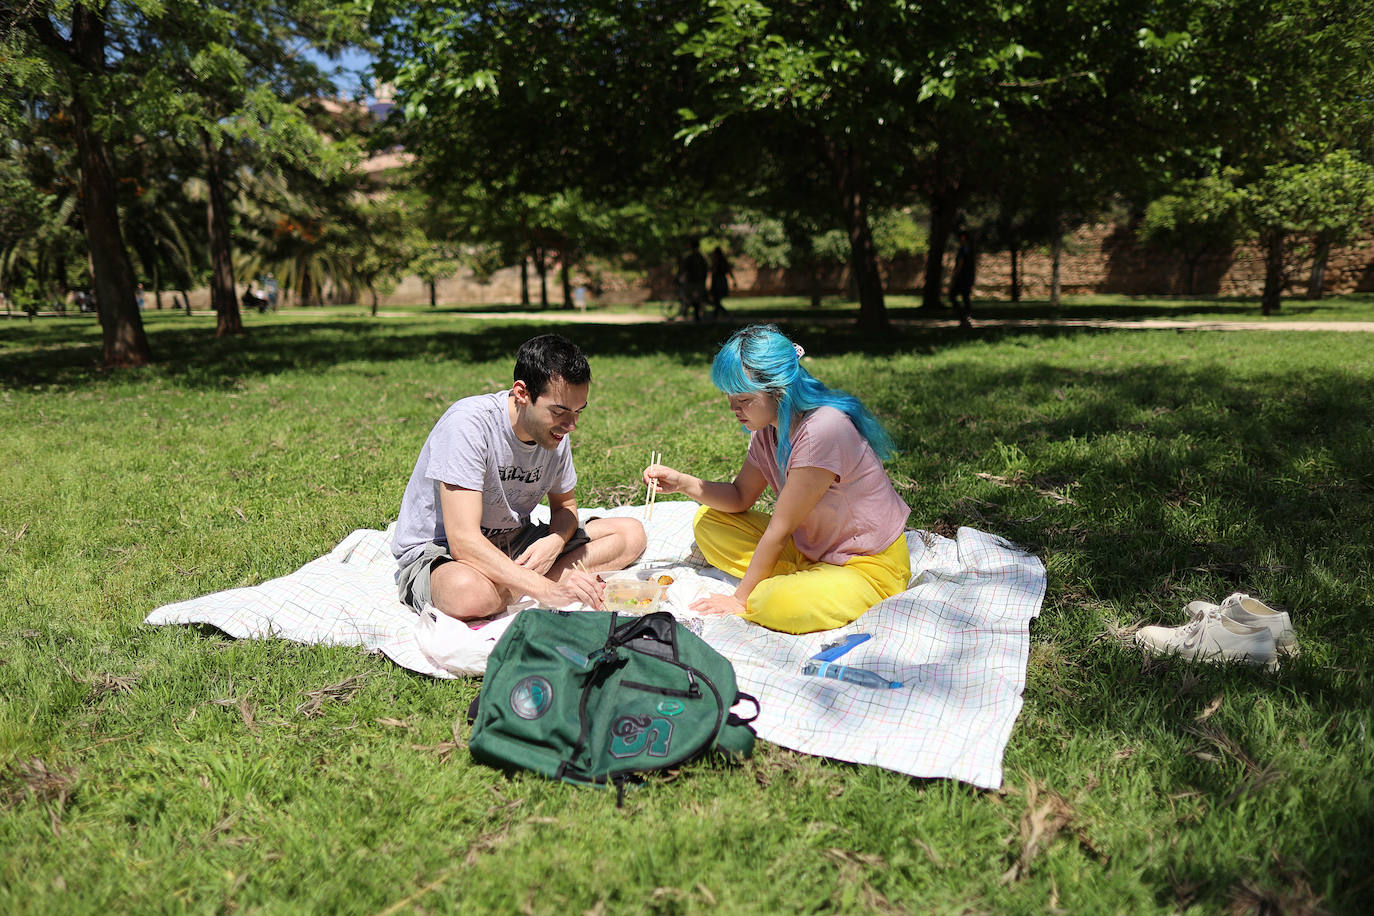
x=861 y=514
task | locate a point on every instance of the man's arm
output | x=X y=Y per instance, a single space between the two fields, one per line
x=463 y=524
x=462 y=512
x=543 y=553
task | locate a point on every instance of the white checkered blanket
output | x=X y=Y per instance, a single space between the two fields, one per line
x=958 y=640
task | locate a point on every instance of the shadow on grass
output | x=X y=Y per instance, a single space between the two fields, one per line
x=62 y=355
x=67 y=352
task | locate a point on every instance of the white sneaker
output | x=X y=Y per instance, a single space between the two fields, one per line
x=1252 y=612
x=1212 y=637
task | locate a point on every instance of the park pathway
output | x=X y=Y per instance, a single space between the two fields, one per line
x=1180 y=324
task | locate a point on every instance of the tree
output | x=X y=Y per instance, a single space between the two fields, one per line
x=1297 y=208
x=40 y=227
x=226 y=79
x=1200 y=217
x=60 y=55
x=1285 y=90
x=219 y=77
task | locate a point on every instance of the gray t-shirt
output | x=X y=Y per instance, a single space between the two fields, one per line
x=473 y=446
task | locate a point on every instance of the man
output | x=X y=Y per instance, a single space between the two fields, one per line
x=464 y=542
x=961 y=285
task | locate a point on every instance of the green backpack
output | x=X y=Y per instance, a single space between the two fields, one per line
x=595 y=697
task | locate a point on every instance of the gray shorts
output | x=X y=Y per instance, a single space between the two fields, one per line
x=412 y=583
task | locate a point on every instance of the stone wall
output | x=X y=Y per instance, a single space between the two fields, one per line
x=1096 y=259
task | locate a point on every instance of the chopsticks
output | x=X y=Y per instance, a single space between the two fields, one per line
x=652 y=488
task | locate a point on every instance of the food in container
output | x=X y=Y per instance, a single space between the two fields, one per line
x=631 y=595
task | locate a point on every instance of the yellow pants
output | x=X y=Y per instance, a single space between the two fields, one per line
x=800 y=595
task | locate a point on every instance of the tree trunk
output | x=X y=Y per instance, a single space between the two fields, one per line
x=525 y=281
x=1057 y=255
x=1016 y=272
x=157 y=287
x=185 y=300
x=125 y=343
x=543 y=270
x=1316 y=282
x=565 y=276
x=433 y=293
x=304 y=281
x=1273 y=271
x=847 y=164
x=944 y=206
x=373 y=291
x=59 y=281
x=223 y=296
x=1191 y=262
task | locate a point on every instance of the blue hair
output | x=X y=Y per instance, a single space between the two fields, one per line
x=760 y=359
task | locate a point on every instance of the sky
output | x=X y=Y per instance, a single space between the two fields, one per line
x=346 y=69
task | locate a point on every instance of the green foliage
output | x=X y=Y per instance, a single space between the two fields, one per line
x=897 y=234
x=765 y=241
x=1331 y=197
x=1199 y=214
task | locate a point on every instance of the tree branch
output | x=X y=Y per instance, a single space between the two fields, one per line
x=1036 y=84
x=47 y=35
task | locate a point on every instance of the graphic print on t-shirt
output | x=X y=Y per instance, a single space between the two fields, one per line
x=511 y=472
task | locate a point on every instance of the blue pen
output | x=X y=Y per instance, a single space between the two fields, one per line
x=834 y=650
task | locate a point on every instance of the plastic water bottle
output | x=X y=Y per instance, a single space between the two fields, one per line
x=860 y=676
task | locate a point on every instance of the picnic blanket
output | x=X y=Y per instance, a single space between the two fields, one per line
x=958 y=639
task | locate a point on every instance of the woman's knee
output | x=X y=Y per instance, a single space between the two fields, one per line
x=790 y=605
x=709 y=520
x=712 y=528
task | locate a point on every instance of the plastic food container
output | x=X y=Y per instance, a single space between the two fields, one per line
x=632 y=596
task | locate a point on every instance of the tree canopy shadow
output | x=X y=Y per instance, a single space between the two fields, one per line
x=195 y=358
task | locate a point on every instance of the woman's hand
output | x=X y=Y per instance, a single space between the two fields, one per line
x=718 y=605
x=667 y=479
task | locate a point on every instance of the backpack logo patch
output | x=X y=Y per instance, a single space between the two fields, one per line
x=531 y=697
x=633 y=735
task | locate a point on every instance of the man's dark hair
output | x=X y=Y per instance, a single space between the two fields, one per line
x=549 y=356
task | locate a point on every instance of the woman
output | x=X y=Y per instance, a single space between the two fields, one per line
x=834 y=545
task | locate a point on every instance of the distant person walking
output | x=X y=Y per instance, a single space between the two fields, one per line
x=721 y=275
x=692 y=272
x=961 y=284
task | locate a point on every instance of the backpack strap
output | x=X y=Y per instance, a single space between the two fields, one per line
x=738 y=720
x=736 y=738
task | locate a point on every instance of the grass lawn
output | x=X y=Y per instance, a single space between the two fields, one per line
x=173 y=769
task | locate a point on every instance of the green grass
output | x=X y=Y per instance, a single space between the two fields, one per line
x=173 y=769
